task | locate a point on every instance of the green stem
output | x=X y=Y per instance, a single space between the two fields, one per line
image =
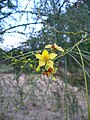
x=65 y=79
x=86 y=86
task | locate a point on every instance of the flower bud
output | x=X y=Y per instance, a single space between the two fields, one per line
x=38 y=69
x=31 y=65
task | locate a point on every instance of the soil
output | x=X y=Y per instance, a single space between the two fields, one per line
x=35 y=97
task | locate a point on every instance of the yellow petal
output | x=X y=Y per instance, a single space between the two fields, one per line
x=38 y=56
x=41 y=63
x=50 y=63
x=59 y=48
x=48 y=46
x=45 y=52
x=52 y=55
x=45 y=55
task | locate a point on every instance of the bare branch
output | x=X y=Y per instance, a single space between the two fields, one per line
x=2 y=32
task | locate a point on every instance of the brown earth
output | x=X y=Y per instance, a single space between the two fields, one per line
x=35 y=97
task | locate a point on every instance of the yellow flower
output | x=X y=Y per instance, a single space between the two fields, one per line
x=55 y=47
x=46 y=59
x=50 y=71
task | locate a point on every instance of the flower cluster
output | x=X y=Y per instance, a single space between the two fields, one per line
x=46 y=60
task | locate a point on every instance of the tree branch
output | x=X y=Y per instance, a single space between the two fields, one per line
x=2 y=32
